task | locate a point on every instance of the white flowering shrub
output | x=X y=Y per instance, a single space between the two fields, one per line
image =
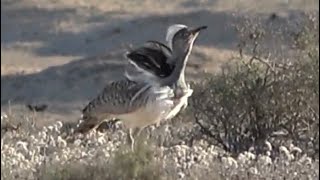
x=46 y=153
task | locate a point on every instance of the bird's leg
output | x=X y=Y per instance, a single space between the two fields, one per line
x=133 y=133
x=130 y=138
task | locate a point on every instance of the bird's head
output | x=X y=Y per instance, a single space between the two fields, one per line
x=181 y=37
x=172 y=30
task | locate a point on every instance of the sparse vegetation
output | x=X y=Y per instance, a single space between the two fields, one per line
x=257 y=99
x=258 y=119
x=124 y=164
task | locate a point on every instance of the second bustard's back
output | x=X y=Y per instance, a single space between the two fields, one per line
x=139 y=103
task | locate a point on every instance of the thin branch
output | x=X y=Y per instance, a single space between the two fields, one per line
x=210 y=134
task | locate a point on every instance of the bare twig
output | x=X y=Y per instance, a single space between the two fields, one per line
x=210 y=134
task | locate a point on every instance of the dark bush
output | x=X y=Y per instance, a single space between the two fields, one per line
x=262 y=95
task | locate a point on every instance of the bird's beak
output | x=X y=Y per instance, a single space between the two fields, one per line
x=195 y=31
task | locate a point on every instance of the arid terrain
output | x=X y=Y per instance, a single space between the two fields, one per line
x=254 y=112
x=61 y=53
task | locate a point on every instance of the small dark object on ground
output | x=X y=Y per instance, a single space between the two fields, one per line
x=37 y=108
x=10 y=127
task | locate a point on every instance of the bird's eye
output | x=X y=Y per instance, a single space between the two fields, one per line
x=185 y=34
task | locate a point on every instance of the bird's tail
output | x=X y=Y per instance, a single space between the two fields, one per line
x=86 y=124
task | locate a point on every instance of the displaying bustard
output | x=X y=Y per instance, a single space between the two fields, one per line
x=153 y=61
x=141 y=103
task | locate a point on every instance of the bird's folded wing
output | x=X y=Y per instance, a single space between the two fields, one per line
x=119 y=97
x=160 y=46
x=153 y=57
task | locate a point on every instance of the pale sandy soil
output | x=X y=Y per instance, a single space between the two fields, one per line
x=62 y=52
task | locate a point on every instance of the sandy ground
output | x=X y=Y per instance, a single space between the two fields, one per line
x=62 y=52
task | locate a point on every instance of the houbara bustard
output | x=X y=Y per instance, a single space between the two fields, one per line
x=141 y=103
x=153 y=61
